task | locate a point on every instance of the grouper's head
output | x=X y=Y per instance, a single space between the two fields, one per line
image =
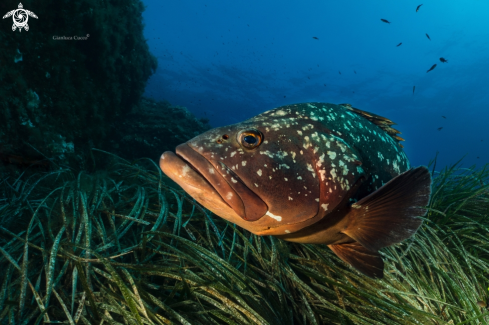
x=273 y=174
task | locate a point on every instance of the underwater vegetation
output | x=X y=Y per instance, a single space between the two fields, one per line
x=126 y=246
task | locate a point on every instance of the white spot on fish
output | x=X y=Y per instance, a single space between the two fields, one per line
x=287 y=231
x=211 y=170
x=396 y=166
x=232 y=154
x=278 y=218
x=322 y=172
x=281 y=154
x=325 y=206
x=380 y=156
x=309 y=168
x=256 y=184
x=243 y=163
x=321 y=160
x=229 y=195
x=344 y=167
x=286 y=179
x=290 y=198
x=331 y=154
x=233 y=180
x=267 y=152
x=185 y=170
x=259 y=172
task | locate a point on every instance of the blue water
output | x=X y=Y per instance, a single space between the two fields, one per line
x=231 y=60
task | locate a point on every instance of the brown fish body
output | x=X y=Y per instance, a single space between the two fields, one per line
x=294 y=172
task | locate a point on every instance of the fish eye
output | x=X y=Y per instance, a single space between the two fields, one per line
x=250 y=139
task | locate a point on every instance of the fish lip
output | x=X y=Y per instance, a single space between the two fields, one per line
x=235 y=194
x=203 y=178
x=203 y=167
x=195 y=169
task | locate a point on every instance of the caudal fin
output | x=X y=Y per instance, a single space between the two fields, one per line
x=385 y=217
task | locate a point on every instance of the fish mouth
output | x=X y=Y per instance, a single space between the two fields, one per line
x=210 y=185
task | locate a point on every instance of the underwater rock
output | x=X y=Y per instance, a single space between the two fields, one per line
x=81 y=66
x=152 y=125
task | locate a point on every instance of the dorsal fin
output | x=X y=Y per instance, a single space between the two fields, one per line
x=382 y=122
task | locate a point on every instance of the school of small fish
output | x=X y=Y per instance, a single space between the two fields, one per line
x=428 y=36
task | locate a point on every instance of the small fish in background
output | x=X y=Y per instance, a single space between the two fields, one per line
x=439 y=129
x=399 y=44
x=417 y=8
x=443 y=60
x=355 y=71
x=385 y=21
x=432 y=67
x=481 y=304
x=443 y=116
x=339 y=72
x=414 y=87
x=315 y=37
x=428 y=36
x=296 y=173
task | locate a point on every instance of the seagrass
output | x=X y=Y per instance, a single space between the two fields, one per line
x=125 y=246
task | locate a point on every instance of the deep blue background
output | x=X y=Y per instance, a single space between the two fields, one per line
x=231 y=60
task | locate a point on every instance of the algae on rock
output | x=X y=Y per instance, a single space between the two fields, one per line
x=64 y=83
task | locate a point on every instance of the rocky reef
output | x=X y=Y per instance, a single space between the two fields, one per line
x=67 y=82
x=154 y=127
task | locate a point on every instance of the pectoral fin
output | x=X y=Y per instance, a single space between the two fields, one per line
x=389 y=215
x=383 y=218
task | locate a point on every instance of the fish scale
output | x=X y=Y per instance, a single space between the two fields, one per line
x=294 y=172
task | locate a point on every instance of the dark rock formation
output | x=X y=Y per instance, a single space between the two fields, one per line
x=81 y=66
x=154 y=127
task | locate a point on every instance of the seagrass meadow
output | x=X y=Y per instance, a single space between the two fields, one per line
x=124 y=246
